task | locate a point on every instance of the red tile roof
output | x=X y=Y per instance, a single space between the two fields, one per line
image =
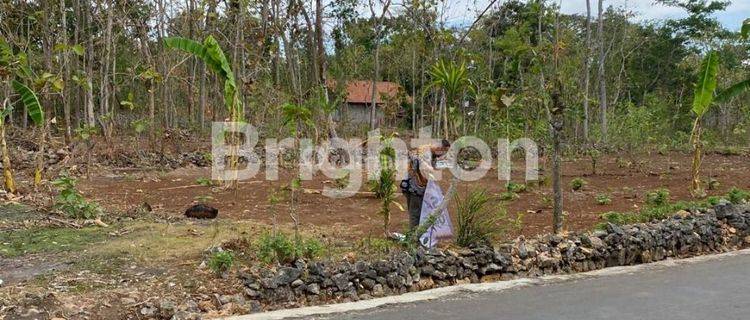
x=360 y=91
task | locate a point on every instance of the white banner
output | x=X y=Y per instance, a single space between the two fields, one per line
x=443 y=228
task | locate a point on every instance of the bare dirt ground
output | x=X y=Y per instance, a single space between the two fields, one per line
x=624 y=180
x=136 y=264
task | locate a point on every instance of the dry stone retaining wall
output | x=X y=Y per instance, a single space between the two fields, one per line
x=722 y=228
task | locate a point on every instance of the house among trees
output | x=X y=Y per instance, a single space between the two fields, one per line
x=358 y=99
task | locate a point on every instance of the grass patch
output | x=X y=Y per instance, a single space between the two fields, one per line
x=48 y=240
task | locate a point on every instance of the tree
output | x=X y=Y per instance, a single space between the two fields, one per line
x=601 y=74
x=36 y=113
x=704 y=96
x=453 y=81
x=587 y=74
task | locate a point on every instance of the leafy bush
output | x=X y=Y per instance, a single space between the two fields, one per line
x=508 y=196
x=375 y=246
x=221 y=262
x=658 y=197
x=578 y=184
x=713 y=200
x=478 y=221
x=603 y=199
x=275 y=248
x=71 y=202
x=283 y=249
x=515 y=187
x=737 y=196
x=652 y=213
x=204 y=182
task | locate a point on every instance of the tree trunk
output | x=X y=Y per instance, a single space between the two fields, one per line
x=601 y=75
x=66 y=70
x=587 y=74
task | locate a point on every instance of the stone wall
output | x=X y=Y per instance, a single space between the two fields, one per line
x=722 y=228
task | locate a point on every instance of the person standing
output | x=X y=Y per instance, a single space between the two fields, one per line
x=420 y=170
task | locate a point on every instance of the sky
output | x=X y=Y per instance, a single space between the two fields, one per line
x=463 y=12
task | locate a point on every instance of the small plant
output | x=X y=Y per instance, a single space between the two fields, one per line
x=275 y=248
x=203 y=182
x=343 y=180
x=658 y=197
x=375 y=246
x=220 y=262
x=713 y=200
x=737 y=196
x=310 y=249
x=478 y=221
x=509 y=196
x=603 y=199
x=282 y=249
x=515 y=187
x=71 y=202
x=385 y=186
x=577 y=184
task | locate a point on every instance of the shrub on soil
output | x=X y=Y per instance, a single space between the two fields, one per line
x=220 y=262
x=577 y=184
x=283 y=249
x=71 y=202
x=478 y=221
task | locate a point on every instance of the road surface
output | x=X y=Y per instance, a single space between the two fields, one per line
x=714 y=289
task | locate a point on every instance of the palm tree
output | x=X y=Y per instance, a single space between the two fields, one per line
x=453 y=80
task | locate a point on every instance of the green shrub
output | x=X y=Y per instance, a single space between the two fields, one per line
x=508 y=196
x=311 y=249
x=603 y=199
x=221 y=262
x=658 y=197
x=283 y=249
x=515 y=187
x=71 y=202
x=375 y=246
x=478 y=221
x=619 y=218
x=578 y=184
x=275 y=248
x=737 y=196
x=713 y=200
x=203 y=182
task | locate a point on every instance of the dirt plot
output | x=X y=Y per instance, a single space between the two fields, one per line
x=623 y=180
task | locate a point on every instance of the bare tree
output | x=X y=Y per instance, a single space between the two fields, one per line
x=587 y=73
x=376 y=75
x=601 y=75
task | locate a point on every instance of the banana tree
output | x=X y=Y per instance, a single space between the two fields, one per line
x=8 y=181
x=36 y=113
x=211 y=54
x=7 y=60
x=702 y=99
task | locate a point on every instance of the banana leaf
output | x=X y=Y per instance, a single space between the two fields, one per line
x=31 y=102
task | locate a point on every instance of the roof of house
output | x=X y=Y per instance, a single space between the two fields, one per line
x=360 y=91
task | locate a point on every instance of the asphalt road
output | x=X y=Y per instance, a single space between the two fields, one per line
x=716 y=289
